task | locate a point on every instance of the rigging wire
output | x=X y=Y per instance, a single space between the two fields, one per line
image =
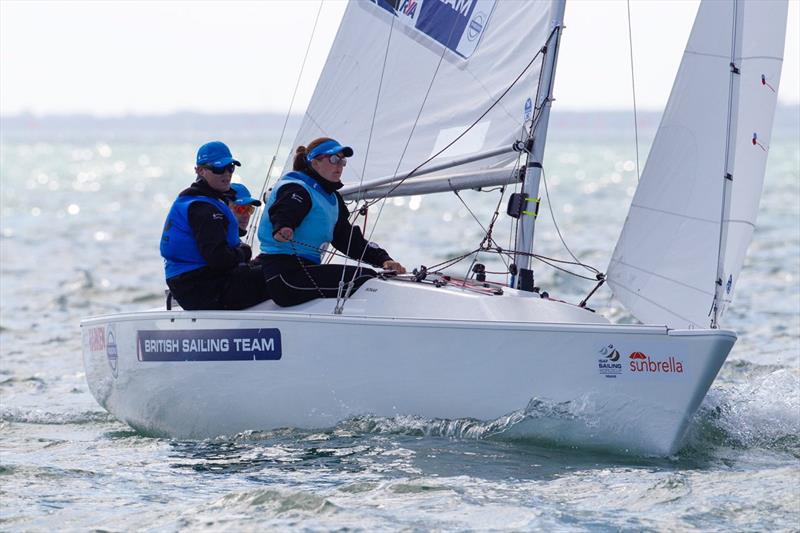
x=339 y=303
x=431 y=158
x=488 y=237
x=633 y=92
x=466 y=130
x=366 y=206
x=385 y=196
x=254 y=223
x=553 y=217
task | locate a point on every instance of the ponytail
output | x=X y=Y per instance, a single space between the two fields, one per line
x=300 y=162
x=300 y=154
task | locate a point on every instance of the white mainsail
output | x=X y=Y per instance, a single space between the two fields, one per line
x=681 y=236
x=404 y=78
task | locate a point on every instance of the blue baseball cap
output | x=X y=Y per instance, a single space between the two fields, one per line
x=329 y=148
x=215 y=154
x=243 y=195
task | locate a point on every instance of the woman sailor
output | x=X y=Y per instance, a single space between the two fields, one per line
x=205 y=262
x=305 y=211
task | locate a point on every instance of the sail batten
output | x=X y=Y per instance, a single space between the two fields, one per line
x=675 y=214
x=709 y=158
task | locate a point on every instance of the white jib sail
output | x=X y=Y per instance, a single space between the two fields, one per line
x=405 y=77
x=665 y=265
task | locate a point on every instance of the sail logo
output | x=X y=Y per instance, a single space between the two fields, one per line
x=528 y=114
x=463 y=7
x=608 y=365
x=111 y=351
x=409 y=9
x=475 y=27
x=455 y=24
x=643 y=364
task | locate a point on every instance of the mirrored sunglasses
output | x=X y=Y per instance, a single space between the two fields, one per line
x=222 y=170
x=242 y=209
x=337 y=160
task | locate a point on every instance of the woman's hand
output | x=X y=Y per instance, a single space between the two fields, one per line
x=394 y=265
x=285 y=235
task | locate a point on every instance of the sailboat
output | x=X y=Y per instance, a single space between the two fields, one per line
x=444 y=95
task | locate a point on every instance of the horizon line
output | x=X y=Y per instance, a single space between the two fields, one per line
x=154 y=114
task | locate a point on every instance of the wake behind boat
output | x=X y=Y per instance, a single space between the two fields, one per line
x=468 y=348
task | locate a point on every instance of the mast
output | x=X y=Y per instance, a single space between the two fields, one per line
x=720 y=285
x=533 y=167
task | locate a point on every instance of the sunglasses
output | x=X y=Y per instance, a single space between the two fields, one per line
x=222 y=170
x=337 y=160
x=242 y=209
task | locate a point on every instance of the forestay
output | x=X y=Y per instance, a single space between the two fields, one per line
x=687 y=233
x=402 y=82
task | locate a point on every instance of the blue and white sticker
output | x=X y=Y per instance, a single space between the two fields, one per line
x=112 y=353
x=262 y=344
x=528 y=111
x=456 y=24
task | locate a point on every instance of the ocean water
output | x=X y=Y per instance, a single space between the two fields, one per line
x=80 y=220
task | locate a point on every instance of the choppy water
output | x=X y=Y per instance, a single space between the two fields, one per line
x=80 y=224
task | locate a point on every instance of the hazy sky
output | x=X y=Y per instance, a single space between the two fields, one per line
x=120 y=57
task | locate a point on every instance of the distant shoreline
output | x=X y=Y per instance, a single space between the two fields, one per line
x=189 y=126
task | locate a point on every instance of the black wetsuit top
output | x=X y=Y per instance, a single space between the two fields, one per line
x=227 y=282
x=293 y=204
x=292 y=279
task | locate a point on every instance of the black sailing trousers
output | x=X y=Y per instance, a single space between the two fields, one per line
x=238 y=288
x=292 y=280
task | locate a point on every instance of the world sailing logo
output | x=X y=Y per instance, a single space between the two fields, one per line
x=528 y=110
x=609 y=365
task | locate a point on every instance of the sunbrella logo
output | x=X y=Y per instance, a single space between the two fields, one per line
x=642 y=363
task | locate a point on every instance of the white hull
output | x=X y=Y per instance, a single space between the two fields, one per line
x=335 y=366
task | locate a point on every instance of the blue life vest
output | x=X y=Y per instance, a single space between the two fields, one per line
x=316 y=228
x=178 y=246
